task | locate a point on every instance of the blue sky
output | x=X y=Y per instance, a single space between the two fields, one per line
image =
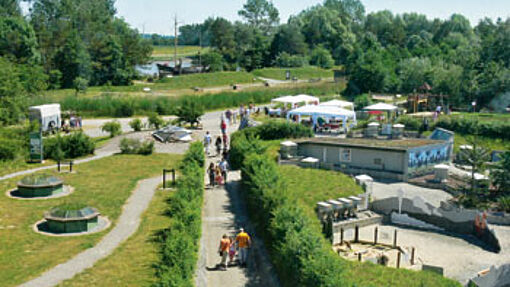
x=154 y=15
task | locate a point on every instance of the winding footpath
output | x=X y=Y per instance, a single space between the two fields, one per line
x=127 y=225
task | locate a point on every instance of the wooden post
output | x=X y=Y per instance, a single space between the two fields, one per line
x=395 y=239
x=412 y=256
x=173 y=176
x=164 y=178
x=359 y=256
x=375 y=236
x=58 y=166
x=342 y=236
x=71 y=166
x=356 y=234
x=398 y=259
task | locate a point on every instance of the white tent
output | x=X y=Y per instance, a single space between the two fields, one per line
x=306 y=99
x=338 y=103
x=323 y=111
x=381 y=107
x=284 y=99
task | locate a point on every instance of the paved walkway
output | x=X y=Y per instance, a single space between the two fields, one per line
x=127 y=225
x=225 y=212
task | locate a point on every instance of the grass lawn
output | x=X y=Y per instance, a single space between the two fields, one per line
x=300 y=73
x=104 y=184
x=131 y=263
x=310 y=186
x=483 y=117
x=489 y=143
x=204 y=80
x=167 y=52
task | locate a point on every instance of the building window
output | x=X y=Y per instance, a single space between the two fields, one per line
x=345 y=155
x=378 y=161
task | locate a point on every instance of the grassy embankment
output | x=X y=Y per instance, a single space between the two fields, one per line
x=25 y=254
x=304 y=73
x=165 y=53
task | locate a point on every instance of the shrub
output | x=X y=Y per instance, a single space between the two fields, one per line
x=285 y=60
x=113 y=128
x=136 y=146
x=179 y=242
x=136 y=125
x=362 y=101
x=504 y=203
x=72 y=146
x=8 y=149
x=190 y=112
x=321 y=57
x=155 y=120
x=411 y=123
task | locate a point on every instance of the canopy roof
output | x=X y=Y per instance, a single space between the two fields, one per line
x=338 y=103
x=322 y=111
x=381 y=107
x=296 y=99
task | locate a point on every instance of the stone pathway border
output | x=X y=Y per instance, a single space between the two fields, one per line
x=126 y=226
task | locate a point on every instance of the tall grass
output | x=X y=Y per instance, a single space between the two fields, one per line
x=204 y=80
x=122 y=106
x=300 y=73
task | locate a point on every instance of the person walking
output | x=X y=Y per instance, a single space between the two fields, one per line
x=225 y=141
x=207 y=142
x=219 y=176
x=232 y=251
x=228 y=115
x=224 y=168
x=211 y=171
x=218 y=145
x=223 y=126
x=223 y=250
x=243 y=242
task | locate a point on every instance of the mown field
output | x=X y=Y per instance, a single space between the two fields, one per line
x=204 y=80
x=104 y=184
x=300 y=73
x=167 y=52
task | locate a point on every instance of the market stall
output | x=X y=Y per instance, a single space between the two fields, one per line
x=327 y=117
x=339 y=104
x=291 y=102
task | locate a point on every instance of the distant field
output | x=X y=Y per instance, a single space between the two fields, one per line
x=167 y=52
x=484 y=116
x=204 y=80
x=300 y=73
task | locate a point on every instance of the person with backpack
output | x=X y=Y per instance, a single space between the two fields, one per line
x=244 y=243
x=223 y=250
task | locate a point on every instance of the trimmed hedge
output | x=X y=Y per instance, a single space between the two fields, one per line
x=72 y=146
x=179 y=242
x=247 y=140
x=136 y=146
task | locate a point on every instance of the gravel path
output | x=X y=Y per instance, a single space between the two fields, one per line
x=224 y=213
x=128 y=223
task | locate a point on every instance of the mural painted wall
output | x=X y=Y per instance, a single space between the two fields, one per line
x=424 y=158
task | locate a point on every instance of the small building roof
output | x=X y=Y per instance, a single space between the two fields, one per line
x=380 y=107
x=391 y=144
x=363 y=177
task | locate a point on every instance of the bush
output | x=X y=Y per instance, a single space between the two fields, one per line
x=190 y=112
x=155 y=120
x=179 y=242
x=504 y=203
x=73 y=146
x=285 y=60
x=113 y=128
x=494 y=129
x=136 y=125
x=362 y=101
x=411 y=123
x=8 y=149
x=136 y=146
x=321 y=57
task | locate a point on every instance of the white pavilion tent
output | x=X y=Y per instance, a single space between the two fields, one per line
x=328 y=112
x=381 y=107
x=308 y=100
x=339 y=104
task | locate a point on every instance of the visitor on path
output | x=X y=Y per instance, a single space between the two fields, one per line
x=211 y=171
x=207 y=142
x=223 y=251
x=425 y=124
x=223 y=126
x=218 y=145
x=225 y=141
x=224 y=168
x=219 y=176
x=243 y=243
x=228 y=114
x=232 y=251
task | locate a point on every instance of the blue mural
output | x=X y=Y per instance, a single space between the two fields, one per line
x=425 y=157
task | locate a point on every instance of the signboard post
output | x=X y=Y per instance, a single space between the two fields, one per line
x=36 y=147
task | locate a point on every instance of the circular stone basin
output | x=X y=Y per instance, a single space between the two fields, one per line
x=39 y=186
x=71 y=221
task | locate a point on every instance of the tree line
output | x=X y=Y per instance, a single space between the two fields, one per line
x=380 y=52
x=63 y=44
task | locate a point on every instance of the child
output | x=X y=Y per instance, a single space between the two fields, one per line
x=219 y=178
x=218 y=145
x=232 y=250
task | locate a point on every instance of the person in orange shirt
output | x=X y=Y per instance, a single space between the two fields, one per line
x=223 y=250
x=243 y=242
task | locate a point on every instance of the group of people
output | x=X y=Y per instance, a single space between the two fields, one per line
x=229 y=246
x=218 y=173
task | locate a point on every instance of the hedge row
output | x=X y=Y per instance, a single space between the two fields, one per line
x=246 y=139
x=68 y=147
x=179 y=243
x=299 y=252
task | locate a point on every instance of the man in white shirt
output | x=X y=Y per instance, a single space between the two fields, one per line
x=207 y=142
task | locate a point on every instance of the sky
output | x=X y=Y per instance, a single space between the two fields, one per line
x=154 y=16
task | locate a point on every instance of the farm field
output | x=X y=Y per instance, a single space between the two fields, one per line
x=26 y=254
x=300 y=73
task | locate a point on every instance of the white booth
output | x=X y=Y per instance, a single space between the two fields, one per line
x=326 y=112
